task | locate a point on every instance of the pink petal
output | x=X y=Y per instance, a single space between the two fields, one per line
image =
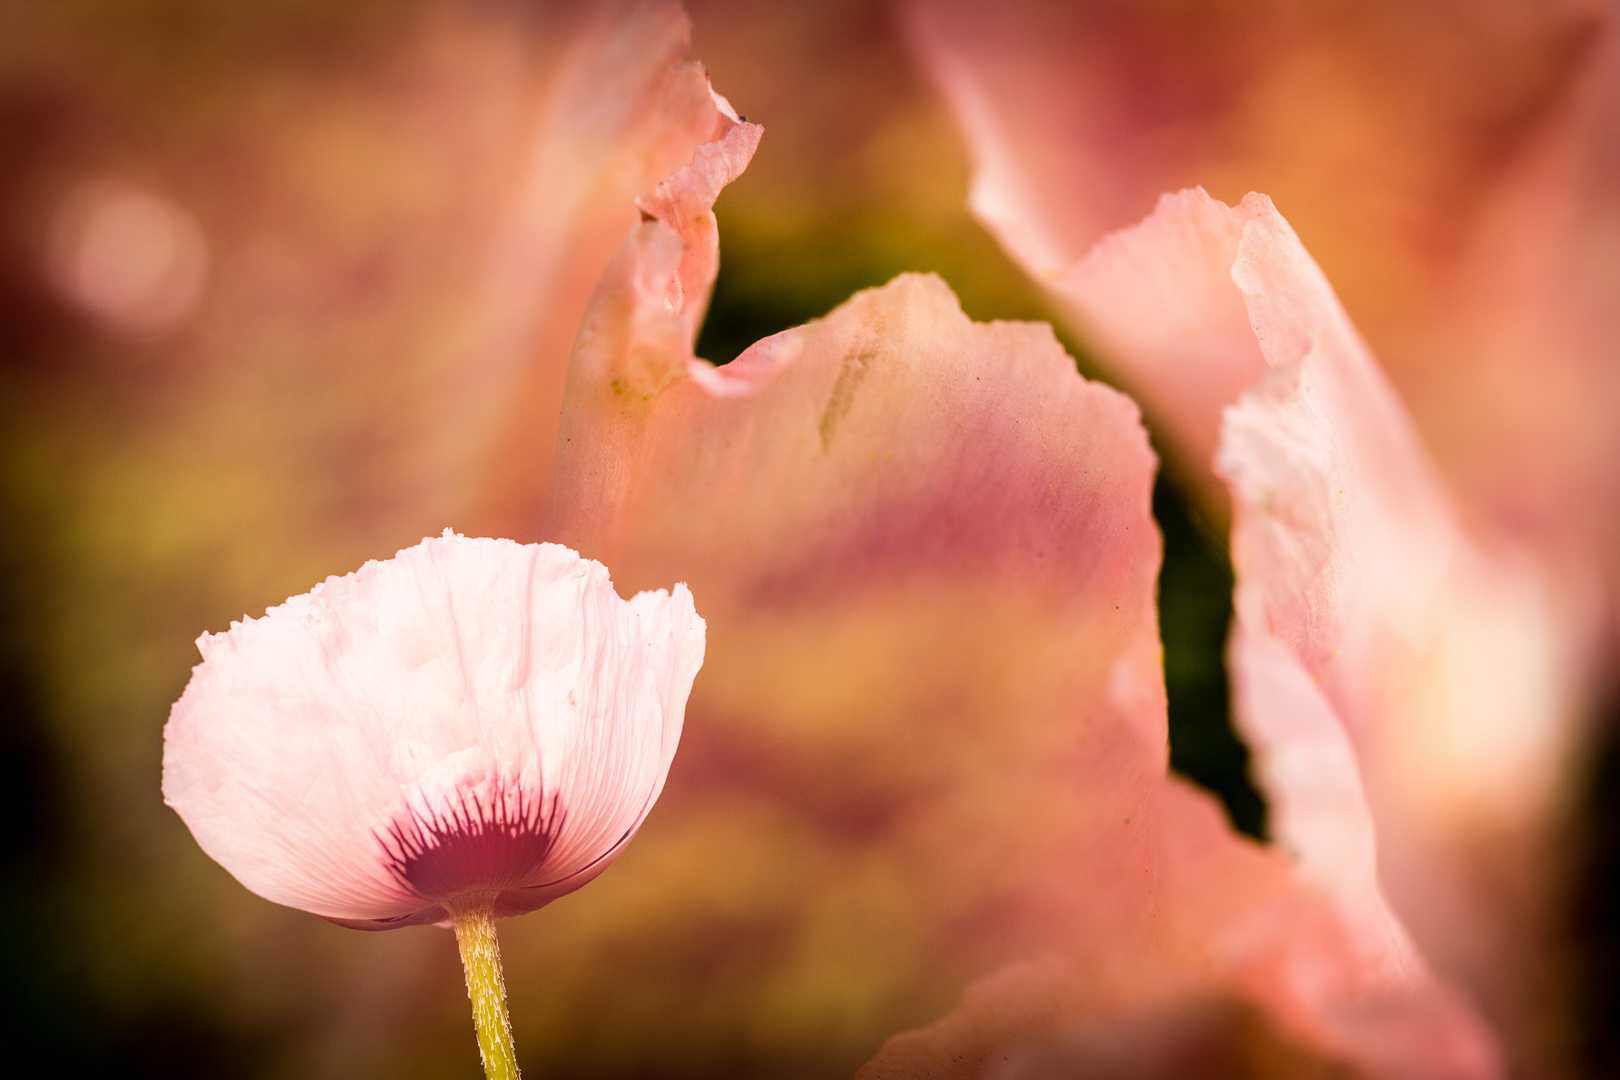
x=1450 y=671
x=1512 y=374
x=638 y=334
x=1384 y=665
x=470 y=715
x=622 y=112
x=1450 y=668
x=1186 y=359
x=928 y=561
x=1448 y=164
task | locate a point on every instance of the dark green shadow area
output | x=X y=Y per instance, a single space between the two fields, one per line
x=772 y=279
x=1195 y=613
x=1594 y=906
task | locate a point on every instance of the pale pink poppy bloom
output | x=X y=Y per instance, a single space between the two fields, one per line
x=468 y=730
x=929 y=566
x=471 y=722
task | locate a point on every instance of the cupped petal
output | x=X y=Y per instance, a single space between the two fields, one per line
x=672 y=624
x=470 y=716
x=676 y=636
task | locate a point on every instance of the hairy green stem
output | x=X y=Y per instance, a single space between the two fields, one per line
x=486 y=986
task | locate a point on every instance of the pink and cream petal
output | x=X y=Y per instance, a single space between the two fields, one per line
x=638 y=334
x=469 y=715
x=1355 y=577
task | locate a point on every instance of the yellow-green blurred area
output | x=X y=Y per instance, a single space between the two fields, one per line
x=321 y=179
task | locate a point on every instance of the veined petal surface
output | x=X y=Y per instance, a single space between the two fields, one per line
x=469 y=717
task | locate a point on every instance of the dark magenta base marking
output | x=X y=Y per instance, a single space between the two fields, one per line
x=470 y=847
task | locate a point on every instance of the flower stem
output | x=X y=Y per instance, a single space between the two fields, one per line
x=486 y=986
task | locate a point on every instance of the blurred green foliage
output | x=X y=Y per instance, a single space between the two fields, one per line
x=1195 y=613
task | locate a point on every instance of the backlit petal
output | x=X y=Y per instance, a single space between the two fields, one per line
x=468 y=716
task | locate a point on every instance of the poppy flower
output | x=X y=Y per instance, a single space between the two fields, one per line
x=470 y=729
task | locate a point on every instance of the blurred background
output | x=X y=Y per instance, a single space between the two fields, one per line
x=246 y=264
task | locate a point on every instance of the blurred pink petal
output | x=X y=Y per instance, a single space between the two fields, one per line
x=468 y=718
x=637 y=336
x=1378 y=651
x=1350 y=557
x=1370 y=626
x=1382 y=654
x=1514 y=373
x=929 y=564
x=1055 y=1017
x=1450 y=164
x=622 y=111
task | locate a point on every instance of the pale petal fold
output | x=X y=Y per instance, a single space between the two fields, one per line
x=622 y=111
x=468 y=717
x=1385 y=665
x=638 y=333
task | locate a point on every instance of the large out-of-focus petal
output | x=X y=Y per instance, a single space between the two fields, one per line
x=1385 y=666
x=1448 y=163
x=1189 y=358
x=1454 y=668
x=928 y=562
x=469 y=716
x=1513 y=375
